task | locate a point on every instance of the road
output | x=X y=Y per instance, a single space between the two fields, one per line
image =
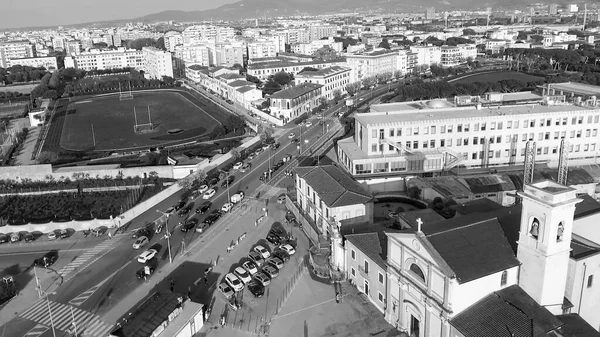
x=111 y=276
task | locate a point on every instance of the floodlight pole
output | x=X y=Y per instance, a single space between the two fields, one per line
x=167 y=234
x=93 y=135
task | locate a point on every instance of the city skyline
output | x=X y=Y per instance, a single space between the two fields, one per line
x=34 y=13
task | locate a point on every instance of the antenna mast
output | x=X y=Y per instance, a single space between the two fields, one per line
x=563 y=163
x=529 y=163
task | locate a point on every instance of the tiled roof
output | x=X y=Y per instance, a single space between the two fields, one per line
x=472 y=247
x=240 y=83
x=373 y=245
x=508 y=312
x=575 y=176
x=245 y=89
x=281 y=64
x=230 y=76
x=197 y=67
x=575 y=326
x=334 y=186
x=296 y=91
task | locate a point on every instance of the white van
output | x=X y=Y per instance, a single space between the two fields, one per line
x=237 y=198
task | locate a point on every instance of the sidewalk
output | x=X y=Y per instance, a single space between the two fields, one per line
x=24 y=156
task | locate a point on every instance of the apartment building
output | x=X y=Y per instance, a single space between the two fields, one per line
x=427 y=55
x=262 y=71
x=451 y=56
x=318 y=32
x=299 y=35
x=313 y=46
x=15 y=50
x=373 y=63
x=204 y=33
x=193 y=54
x=428 y=137
x=172 y=39
x=106 y=59
x=228 y=54
x=72 y=47
x=260 y=49
x=331 y=78
x=289 y=104
x=157 y=63
x=48 y=62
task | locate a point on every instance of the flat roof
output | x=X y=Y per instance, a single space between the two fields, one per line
x=420 y=111
x=324 y=72
x=580 y=88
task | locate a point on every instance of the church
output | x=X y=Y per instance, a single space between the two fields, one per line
x=523 y=270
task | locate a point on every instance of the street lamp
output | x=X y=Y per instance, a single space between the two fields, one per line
x=167 y=234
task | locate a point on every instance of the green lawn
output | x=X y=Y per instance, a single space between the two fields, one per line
x=113 y=121
x=499 y=76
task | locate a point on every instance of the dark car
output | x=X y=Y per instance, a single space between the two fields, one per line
x=229 y=101
x=144 y=271
x=212 y=218
x=203 y=208
x=256 y=288
x=140 y=232
x=273 y=239
x=227 y=181
x=270 y=270
x=282 y=255
x=4 y=238
x=184 y=211
x=275 y=146
x=47 y=260
x=64 y=234
x=191 y=223
x=179 y=205
x=295 y=141
x=213 y=182
x=279 y=233
x=290 y=217
x=28 y=237
x=279 y=163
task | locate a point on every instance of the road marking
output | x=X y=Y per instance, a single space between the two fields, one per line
x=43 y=251
x=306 y=308
x=81 y=262
x=63 y=317
x=36 y=331
x=79 y=300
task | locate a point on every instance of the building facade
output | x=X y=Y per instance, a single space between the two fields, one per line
x=370 y=64
x=157 y=63
x=262 y=71
x=260 y=49
x=106 y=59
x=15 y=50
x=289 y=104
x=48 y=62
x=318 y=32
x=332 y=79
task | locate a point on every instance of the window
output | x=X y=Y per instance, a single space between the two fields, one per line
x=374 y=148
x=416 y=270
x=380 y=278
x=504 y=278
x=353 y=254
x=366 y=267
x=353 y=271
x=391 y=132
x=374 y=134
x=559 y=232
x=590 y=281
x=475 y=140
x=534 y=231
x=380 y=297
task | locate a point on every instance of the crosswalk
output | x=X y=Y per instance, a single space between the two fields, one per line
x=36 y=331
x=80 y=261
x=65 y=318
x=77 y=301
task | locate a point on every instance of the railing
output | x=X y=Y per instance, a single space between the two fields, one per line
x=362 y=271
x=451 y=158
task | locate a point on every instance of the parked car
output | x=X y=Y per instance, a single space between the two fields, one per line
x=213 y=182
x=251 y=156
x=238 y=165
x=227 y=181
x=237 y=197
x=262 y=278
x=28 y=237
x=281 y=199
x=287 y=157
x=242 y=274
x=279 y=163
x=213 y=217
x=246 y=167
x=250 y=267
x=140 y=242
x=185 y=210
x=308 y=124
x=258 y=151
x=292 y=135
x=256 y=258
x=4 y=238
x=189 y=224
x=15 y=237
x=203 y=208
x=256 y=288
x=273 y=239
x=229 y=101
x=282 y=255
x=209 y=194
x=47 y=260
x=159 y=227
x=64 y=233
x=271 y=271
x=147 y=256
x=275 y=146
x=295 y=141
x=170 y=210
x=203 y=188
x=146 y=271
x=266 y=146
x=264 y=253
x=288 y=249
x=201 y=227
x=227 y=207
x=234 y=282
x=136 y=233
x=275 y=262
x=179 y=205
x=52 y=235
x=226 y=290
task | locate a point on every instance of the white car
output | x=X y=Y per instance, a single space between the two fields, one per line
x=250 y=267
x=288 y=249
x=242 y=274
x=147 y=256
x=308 y=124
x=140 y=242
x=234 y=282
x=262 y=251
x=227 y=207
x=238 y=165
x=203 y=189
x=209 y=194
x=291 y=135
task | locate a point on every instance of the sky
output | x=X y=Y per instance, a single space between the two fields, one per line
x=29 y=13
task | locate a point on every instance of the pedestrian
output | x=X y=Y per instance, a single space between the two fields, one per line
x=228 y=249
x=337 y=297
x=205 y=280
x=222 y=320
x=109 y=235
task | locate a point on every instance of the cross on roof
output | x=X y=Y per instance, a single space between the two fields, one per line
x=419 y=224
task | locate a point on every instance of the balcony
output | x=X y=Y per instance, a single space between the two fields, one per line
x=364 y=273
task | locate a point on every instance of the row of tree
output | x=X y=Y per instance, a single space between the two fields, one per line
x=20 y=74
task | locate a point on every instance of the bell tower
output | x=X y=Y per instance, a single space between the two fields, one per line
x=545 y=241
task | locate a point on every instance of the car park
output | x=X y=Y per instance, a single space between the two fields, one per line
x=288 y=249
x=238 y=165
x=264 y=253
x=226 y=290
x=28 y=237
x=256 y=288
x=275 y=262
x=185 y=210
x=203 y=188
x=282 y=255
x=234 y=282
x=147 y=256
x=189 y=224
x=242 y=274
x=271 y=271
x=140 y=242
x=144 y=272
x=246 y=167
x=227 y=207
x=47 y=260
x=250 y=267
x=262 y=278
x=227 y=182
x=281 y=199
x=291 y=135
x=209 y=194
x=203 y=208
x=256 y=258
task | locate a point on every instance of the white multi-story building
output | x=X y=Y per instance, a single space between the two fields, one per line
x=428 y=137
x=205 y=33
x=468 y=51
x=298 y=35
x=313 y=46
x=291 y=103
x=48 y=62
x=260 y=49
x=262 y=71
x=172 y=39
x=227 y=54
x=318 y=32
x=58 y=42
x=369 y=64
x=193 y=54
x=15 y=50
x=427 y=55
x=157 y=63
x=72 y=47
x=332 y=79
x=106 y=59
x=451 y=56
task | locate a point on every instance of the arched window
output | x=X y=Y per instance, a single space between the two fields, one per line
x=559 y=232
x=503 y=278
x=417 y=271
x=535 y=228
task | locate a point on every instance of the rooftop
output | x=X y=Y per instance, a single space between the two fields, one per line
x=579 y=88
x=296 y=91
x=334 y=186
x=324 y=72
x=286 y=63
x=373 y=245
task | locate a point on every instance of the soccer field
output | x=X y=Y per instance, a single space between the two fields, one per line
x=112 y=121
x=498 y=76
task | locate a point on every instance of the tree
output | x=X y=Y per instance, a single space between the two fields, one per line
x=369 y=81
x=46 y=157
x=235 y=154
x=187 y=182
x=469 y=32
x=323 y=101
x=266 y=134
x=337 y=94
x=282 y=78
x=271 y=87
x=398 y=74
x=234 y=122
x=352 y=88
x=385 y=44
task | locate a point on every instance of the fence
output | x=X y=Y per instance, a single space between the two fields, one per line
x=302 y=267
x=50 y=226
x=312 y=232
x=74 y=190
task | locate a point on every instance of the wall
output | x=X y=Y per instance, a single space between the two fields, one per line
x=584 y=298
x=375 y=287
x=74 y=190
x=269 y=118
x=50 y=226
x=387 y=184
x=310 y=232
x=587 y=227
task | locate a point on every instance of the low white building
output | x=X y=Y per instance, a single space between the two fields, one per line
x=427 y=55
x=370 y=64
x=332 y=78
x=291 y=103
x=96 y=59
x=48 y=62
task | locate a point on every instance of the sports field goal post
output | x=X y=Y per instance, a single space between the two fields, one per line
x=125 y=95
x=144 y=127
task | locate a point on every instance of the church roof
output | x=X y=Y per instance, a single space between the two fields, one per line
x=473 y=246
x=575 y=326
x=373 y=245
x=510 y=310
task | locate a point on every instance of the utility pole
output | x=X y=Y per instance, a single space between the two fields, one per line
x=167 y=234
x=93 y=135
